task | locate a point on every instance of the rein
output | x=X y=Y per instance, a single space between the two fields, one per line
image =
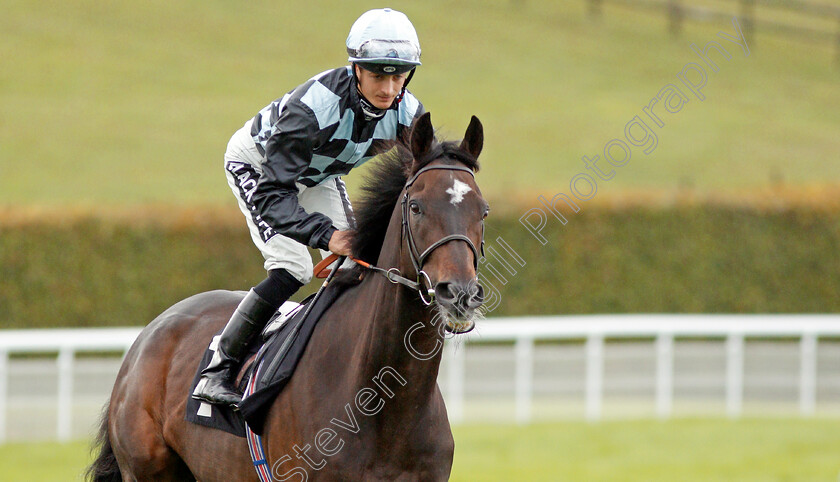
x=393 y=275
x=418 y=258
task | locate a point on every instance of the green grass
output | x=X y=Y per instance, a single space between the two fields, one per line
x=684 y=450
x=133 y=102
x=680 y=450
x=44 y=462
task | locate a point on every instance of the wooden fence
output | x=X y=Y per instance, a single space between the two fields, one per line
x=679 y=11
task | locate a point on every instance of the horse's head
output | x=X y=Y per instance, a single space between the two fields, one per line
x=443 y=215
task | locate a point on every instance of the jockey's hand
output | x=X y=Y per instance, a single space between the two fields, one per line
x=340 y=243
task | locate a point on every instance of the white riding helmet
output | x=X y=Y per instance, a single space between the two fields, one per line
x=384 y=41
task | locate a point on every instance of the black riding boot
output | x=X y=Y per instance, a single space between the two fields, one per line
x=216 y=383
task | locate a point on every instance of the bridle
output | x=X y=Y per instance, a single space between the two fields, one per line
x=418 y=258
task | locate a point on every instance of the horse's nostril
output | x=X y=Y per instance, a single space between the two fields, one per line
x=445 y=292
x=478 y=295
x=461 y=296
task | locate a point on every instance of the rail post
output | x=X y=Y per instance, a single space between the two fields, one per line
x=808 y=374
x=734 y=374
x=594 y=9
x=65 y=394
x=524 y=348
x=594 y=376
x=675 y=17
x=837 y=41
x=664 y=375
x=4 y=391
x=748 y=19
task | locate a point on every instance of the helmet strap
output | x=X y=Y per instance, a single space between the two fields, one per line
x=371 y=111
x=402 y=92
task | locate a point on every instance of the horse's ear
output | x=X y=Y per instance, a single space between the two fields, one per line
x=474 y=138
x=422 y=136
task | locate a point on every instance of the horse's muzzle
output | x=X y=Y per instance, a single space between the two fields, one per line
x=461 y=299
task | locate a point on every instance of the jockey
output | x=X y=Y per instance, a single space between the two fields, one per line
x=284 y=168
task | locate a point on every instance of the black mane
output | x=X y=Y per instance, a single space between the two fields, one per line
x=382 y=188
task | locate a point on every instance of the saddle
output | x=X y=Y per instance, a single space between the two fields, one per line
x=272 y=361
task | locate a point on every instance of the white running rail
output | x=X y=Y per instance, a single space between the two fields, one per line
x=523 y=332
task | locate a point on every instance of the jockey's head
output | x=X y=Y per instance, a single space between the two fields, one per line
x=384 y=51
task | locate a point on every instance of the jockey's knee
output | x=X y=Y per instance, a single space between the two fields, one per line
x=278 y=287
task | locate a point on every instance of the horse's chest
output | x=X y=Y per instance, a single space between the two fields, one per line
x=366 y=458
x=433 y=471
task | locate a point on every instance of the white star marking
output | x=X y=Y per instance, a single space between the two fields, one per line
x=457 y=192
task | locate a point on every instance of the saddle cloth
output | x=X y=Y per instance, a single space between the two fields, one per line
x=284 y=341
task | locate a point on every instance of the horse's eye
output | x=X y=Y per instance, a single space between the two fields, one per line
x=414 y=207
x=486 y=212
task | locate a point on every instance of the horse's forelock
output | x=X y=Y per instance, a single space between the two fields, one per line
x=449 y=150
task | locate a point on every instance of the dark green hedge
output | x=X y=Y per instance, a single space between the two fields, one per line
x=697 y=259
x=95 y=272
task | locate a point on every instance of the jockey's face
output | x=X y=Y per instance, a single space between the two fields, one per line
x=379 y=89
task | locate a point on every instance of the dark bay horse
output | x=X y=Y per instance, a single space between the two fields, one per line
x=363 y=403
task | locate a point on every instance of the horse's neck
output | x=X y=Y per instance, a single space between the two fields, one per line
x=397 y=337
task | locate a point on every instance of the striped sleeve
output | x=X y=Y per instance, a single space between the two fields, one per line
x=288 y=153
